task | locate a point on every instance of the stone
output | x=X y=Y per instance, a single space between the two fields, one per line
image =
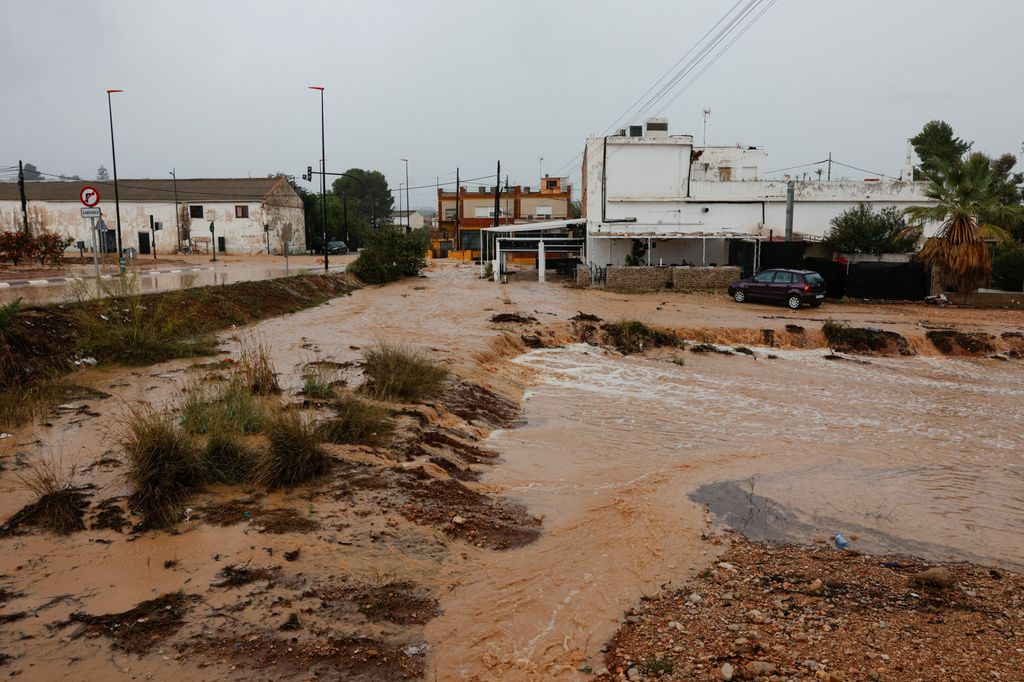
x=694 y=598
x=755 y=616
x=936 y=576
x=816 y=586
x=633 y=674
x=799 y=636
x=458 y=520
x=755 y=668
x=727 y=671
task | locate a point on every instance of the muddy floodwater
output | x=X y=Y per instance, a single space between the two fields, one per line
x=631 y=463
x=917 y=455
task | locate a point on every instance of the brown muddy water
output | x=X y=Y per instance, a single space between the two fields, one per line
x=619 y=455
x=918 y=455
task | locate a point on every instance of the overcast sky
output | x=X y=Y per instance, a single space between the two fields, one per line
x=218 y=88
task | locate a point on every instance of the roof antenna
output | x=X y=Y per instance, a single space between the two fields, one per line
x=707 y=113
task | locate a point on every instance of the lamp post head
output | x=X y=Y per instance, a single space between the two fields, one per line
x=110 y=91
x=317 y=87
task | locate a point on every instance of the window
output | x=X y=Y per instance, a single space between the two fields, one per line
x=543 y=211
x=764 y=277
x=551 y=184
x=725 y=173
x=783 y=277
x=195 y=211
x=242 y=211
x=483 y=212
x=449 y=214
x=814 y=278
x=470 y=241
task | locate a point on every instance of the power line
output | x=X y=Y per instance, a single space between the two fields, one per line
x=803 y=165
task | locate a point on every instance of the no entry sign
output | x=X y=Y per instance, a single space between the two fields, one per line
x=90 y=196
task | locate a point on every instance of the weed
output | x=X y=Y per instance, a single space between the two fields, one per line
x=60 y=503
x=397 y=373
x=656 y=667
x=164 y=465
x=843 y=338
x=232 y=409
x=316 y=383
x=226 y=459
x=679 y=361
x=358 y=423
x=633 y=336
x=294 y=455
x=8 y=311
x=256 y=369
x=21 y=402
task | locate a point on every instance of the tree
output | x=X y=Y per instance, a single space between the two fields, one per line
x=16 y=246
x=50 y=246
x=968 y=198
x=359 y=186
x=390 y=254
x=102 y=173
x=1008 y=267
x=936 y=143
x=863 y=230
x=32 y=173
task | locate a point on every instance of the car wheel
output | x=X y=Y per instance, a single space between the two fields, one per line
x=794 y=302
x=739 y=295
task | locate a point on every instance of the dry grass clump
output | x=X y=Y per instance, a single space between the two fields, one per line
x=228 y=459
x=230 y=407
x=60 y=502
x=294 y=454
x=357 y=423
x=256 y=369
x=399 y=374
x=22 y=401
x=164 y=466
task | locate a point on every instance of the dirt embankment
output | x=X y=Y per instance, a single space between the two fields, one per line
x=819 y=613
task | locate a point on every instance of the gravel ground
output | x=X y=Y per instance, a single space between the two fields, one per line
x=818 y=613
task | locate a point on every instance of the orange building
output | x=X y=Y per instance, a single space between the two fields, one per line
x=461 y=215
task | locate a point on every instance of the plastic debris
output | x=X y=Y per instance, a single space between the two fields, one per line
x=841 y=542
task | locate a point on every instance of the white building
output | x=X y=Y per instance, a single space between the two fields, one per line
x=413 y=219
x=687 y=203
x=250 y=215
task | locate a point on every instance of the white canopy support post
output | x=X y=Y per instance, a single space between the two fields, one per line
x=497 y=260
x=648 y=252
x=541 y=261
x=704 y=251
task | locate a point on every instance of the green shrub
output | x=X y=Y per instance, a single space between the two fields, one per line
x=633 y=336
x=316 y=383
x=230 y=408
x=357 y=423
x=396 y=373
x=1008 y=267
x=163 y=466
x=8 y=311
x=294 y=454
x=391 y=254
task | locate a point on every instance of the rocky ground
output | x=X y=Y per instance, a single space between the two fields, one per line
x=820 y=613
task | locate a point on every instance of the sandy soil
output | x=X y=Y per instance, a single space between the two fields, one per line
x=468 y=600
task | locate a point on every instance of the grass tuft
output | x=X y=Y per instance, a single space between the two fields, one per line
x=317 y=383
x=357 y=423
x=294 y=455
x=60 y=502
x=164 y=466
x=399 y=374
x=8 y=311
x=231 y=408
x=256 y=368
x=633 y=336
x=227 y=459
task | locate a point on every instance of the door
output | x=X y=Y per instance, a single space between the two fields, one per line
x=781 y=285
x=221 y=245
x=760 y=287
x=109 y=239
x=143 y=242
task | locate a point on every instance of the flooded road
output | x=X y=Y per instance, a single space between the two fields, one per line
x=916 y=455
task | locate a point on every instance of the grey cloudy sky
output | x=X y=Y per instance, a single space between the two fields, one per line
x=218 y=88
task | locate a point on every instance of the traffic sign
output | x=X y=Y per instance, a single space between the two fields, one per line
x=90 y=196
x=101 y=226
x=91 y=212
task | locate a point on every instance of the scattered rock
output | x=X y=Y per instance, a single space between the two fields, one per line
x=937 y=576
x=727 y=671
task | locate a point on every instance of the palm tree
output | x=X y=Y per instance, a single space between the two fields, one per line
x=968 y=205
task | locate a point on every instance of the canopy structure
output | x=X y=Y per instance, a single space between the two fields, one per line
x=544 y=226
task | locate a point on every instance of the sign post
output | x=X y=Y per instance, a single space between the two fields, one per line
x=90 y=198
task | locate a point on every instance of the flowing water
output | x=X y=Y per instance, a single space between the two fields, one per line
x=918 y=455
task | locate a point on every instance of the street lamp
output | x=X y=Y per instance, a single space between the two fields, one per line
x=401 y=186
x=323 y=172
x=540 y=169
x=408 y=208
x=177 y=220
x=117 y=198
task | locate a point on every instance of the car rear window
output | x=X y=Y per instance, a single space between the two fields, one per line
x=783 y=277
x=814 y=278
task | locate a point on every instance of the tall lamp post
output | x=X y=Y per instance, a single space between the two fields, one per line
x=177 y=219
x=408 y=208
x=117 y=198
x=323 y=172
x=540 y=169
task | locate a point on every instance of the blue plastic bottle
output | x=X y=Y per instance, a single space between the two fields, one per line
x=841 y=542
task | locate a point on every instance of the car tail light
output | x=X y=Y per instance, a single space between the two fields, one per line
x=807 y=287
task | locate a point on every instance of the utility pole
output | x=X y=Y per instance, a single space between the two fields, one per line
x=707 y=113
x=790 y=195
x=497 y=196
x=24 y=199
x=344 y=213
x=830 y=166
x=117 y=197
x=458 y=210
x=408 y=208
x=177 y=219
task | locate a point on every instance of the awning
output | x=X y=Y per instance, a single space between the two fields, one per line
x=536 y=227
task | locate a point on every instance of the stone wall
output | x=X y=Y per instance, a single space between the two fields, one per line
x=582 y=276
x=694 y=278
x=639 y=278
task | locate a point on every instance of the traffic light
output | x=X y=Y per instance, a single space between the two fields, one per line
x=308 y=177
